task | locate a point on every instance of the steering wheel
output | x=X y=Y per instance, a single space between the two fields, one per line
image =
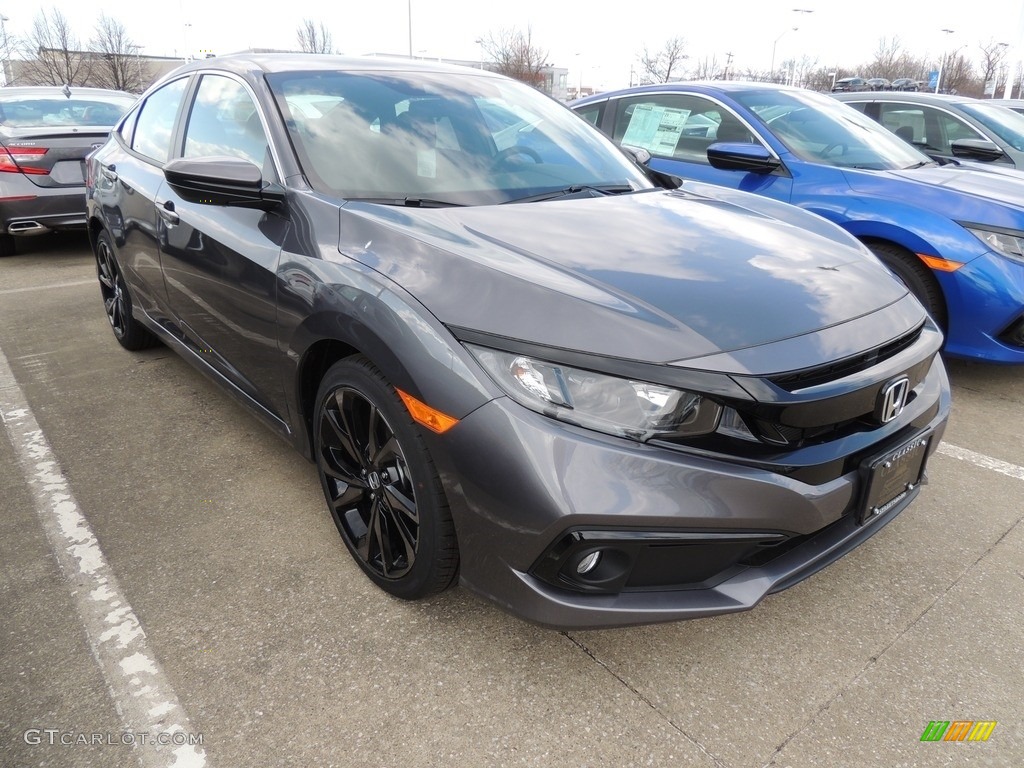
x=506 y=154
x=834 y=145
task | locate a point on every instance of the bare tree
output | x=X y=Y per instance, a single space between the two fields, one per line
x=115 y=65
x=53 y=53
x=959 y=75
x=888 y=60
x=314 y=37
x=513 y=54
x=992 y=55
x=706 y=69
x=660 y=66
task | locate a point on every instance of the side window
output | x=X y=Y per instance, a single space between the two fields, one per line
x=154 y=126
x=860 y=106
x=224 y=120
x=677 y=126
x=127 y=129
x=905 y=120
x=592 y=113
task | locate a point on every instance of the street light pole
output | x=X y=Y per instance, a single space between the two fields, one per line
x=410 y=27
x=942 y=62
x=7 y=55
x=772 y=70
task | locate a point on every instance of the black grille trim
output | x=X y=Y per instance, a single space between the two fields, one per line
x=810 y=377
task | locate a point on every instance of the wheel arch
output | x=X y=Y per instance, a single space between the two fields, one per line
x=415 y=358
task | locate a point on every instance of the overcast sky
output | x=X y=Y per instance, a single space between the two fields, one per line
x=582 y=36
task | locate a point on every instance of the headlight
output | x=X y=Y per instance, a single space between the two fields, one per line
x=638 y=410
x=1009 y=244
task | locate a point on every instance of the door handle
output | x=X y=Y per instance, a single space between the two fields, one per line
x=167 y=213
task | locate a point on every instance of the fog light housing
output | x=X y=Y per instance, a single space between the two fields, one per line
x=1014 y=333
x=588 y=563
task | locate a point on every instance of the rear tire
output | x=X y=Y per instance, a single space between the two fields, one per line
x=117 y=301
x=8 y=245
x=381 y=485
x=916 y=276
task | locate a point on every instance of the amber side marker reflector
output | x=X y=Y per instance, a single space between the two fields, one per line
x=943 y=265
x=426 y=416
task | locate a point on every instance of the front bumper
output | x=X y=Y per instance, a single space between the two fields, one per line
x=985 y=299
x=515 y=498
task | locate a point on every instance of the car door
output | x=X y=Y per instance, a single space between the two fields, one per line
x=220 y=262
x=935 y=129
x=131 y=175
x=677 y=129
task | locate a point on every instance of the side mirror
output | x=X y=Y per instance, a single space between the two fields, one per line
x=642 y=157
x=976 y=149
x=222 y=181
x=737 y=156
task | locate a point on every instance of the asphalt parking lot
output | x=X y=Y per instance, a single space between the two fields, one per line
x=240 y=619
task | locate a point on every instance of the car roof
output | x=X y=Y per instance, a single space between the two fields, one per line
x=920 y=97
x=707 y=86
x=16 y=91
x=292 y=62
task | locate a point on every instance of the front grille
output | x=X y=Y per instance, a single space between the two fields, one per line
x=810 y=377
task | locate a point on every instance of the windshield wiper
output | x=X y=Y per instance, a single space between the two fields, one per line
x=575 y=189
x=921 y=164
x=409 y=202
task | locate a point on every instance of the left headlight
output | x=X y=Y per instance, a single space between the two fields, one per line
x=1005 y=242
x=618 y=406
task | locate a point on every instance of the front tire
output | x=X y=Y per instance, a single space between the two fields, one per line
x=380 y=483
x=117 y=302
x=916 y=276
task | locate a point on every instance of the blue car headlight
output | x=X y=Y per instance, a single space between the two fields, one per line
x=1005 y=242
x=638 y=410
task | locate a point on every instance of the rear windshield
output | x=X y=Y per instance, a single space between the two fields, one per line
x=38 y=111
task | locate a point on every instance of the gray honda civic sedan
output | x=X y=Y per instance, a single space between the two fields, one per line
x=521 y=361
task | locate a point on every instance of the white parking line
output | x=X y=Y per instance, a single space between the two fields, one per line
x=981 y=460
x=69 y=284
x=140 y=689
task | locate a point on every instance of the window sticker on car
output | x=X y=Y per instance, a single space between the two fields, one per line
x=426 y=163
x=655 y=128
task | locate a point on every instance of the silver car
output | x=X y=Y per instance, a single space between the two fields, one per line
x=947 y=127
x=45 y=135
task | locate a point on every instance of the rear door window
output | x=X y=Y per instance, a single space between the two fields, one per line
x=154 y=128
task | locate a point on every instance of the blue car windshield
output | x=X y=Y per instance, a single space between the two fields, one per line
x=1002 y=121
x=820 y=129
x=461 y=139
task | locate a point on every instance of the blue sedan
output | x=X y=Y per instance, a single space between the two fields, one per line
x=955 y=236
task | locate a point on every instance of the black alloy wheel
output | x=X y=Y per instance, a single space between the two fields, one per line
x=382 y=488
x=117 y=302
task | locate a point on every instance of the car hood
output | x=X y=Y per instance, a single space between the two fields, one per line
x=960 y=192
x=655 y=276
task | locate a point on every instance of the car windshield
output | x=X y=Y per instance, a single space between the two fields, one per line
x=1002 y=121
x=443 y=138
x=820 y=129
x=38 y=111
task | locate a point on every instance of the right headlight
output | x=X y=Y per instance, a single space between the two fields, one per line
x=1003 y=241
x=618 y=406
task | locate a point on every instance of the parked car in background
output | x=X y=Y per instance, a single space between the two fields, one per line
x=45 y=134
x=905 y=84
x=566 y=386
x=879 y=84
x=1017 y=105
x=954 y=236
x=948 y=127
x=850 y=84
